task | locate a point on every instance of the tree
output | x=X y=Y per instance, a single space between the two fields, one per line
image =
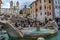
x=25 y=6
x=21 y=12
x=28 y=14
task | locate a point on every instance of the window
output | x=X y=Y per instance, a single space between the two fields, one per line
x=49 y=7
x=36 y=10
x=49 y=1
x=40 y=7
x=36 y=4
x=40 y=13
x=45 y=13
x=31 y=7
x=58 y=1
x=45 y=7
x=44 y=0
x=55 y=6
x=50 y=13
x=40 y=1
x=59 y=7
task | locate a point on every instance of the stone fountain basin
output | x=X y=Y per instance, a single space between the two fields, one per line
x=32 y=32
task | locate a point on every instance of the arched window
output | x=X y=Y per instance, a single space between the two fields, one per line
x=40 y=7
x=44 y=0
x=45 y=13
x=36 y=10
x=49 y=7
x=49 y=1
x=45 y=7
x=41 y=13
x=50 y=13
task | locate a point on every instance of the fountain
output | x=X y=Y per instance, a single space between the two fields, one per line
x=33 y=32
x=38 y=31
x=38 y=27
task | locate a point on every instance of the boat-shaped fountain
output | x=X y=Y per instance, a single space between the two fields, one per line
x=34 y=33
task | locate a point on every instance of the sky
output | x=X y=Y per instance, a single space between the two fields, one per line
x=6 y=3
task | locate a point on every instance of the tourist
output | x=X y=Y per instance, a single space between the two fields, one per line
x=43 y=23
x=16 y=25
x=24 y=25
x=30 y=23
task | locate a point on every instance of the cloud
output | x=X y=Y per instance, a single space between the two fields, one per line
x=25 y=2
x=21 y=2
x=6 y=5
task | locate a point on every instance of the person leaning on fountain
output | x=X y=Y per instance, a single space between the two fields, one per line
x=51 y=24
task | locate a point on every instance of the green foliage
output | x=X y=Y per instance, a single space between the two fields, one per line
x=21 y=12
x=28 y=14
x=25 y=6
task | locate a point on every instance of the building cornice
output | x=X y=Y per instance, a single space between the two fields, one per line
x=32 y=3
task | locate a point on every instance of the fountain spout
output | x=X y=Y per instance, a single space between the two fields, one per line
x=38 y=27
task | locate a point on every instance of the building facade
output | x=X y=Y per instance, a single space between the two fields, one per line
x=14 y=9
x=41 y=10
x=26 y=11
x=32 y=10
x=56 y=7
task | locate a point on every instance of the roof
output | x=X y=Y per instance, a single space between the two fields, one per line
x=26 y=8
x=32 y=3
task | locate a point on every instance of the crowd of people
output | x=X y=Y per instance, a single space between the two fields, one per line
x=32 y=23
x=28 y=23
